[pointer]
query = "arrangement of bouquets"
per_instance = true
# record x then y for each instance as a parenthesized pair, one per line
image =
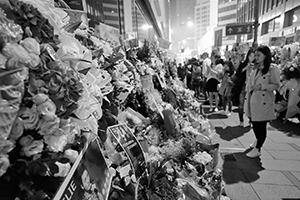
(86, 77)
(42, 138)
(290, 76)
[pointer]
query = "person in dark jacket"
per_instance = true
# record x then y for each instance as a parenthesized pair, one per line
(181, 72)
(239, 80)
(189, 76)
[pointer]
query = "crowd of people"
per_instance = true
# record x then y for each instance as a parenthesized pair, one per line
(248, 81)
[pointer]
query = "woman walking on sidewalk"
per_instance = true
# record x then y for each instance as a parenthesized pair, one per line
(260, 98)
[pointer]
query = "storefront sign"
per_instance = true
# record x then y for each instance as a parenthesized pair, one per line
(288, 31)
(108, 33)
(277, 41)
(122, 135)
(89, 177)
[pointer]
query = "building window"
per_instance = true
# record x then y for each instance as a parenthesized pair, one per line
(292, 17)
(277, 2)
(277, 23)
(271, 26)
(268, 4)
(227, 8)
(264, 28)
(232, 16)
(112, 10)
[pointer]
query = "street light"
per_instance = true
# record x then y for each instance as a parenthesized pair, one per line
(190, 24)
(146, 27)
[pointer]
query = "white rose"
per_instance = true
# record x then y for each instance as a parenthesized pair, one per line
(56, 143)
(4, 164)
(71, 155)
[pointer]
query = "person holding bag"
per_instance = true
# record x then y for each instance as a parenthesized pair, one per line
(260, 98)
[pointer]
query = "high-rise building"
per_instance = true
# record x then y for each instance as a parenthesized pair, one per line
(132, 16)
(276, 18)
(182, 24)
(206, 16)
(227, 14)
(161, 11)
(95, 10)
(110, 12)
(113, 11)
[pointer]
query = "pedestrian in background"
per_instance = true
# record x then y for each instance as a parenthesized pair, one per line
(260, 97)
(213, 72)
(196, 78)
(226, 86)
(181, 72)
(189, 76)
(205, 65)
(239, 80)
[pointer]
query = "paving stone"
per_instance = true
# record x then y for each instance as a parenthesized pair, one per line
(294, 177)
(281, 165)
(276, 192)
(295, 146)
(242, 162)
(266, 177)
(282, 139)
(234, 176)
(265, 155)
(241, 191)
(231, 150)
(248, 137)
(278, 147)
(285, 155)
(230, 144)
(296, 174)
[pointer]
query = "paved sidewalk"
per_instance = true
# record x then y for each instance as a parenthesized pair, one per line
(273, 176)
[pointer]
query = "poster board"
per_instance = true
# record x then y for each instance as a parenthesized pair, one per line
(108, 33)
(122, 135)
(89, 177)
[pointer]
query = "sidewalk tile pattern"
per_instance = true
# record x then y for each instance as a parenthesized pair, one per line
(275, 175)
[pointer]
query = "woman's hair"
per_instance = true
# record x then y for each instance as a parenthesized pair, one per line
(268, 59)
(246, 61)
(231, 67)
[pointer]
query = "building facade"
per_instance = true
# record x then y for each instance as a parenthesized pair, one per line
(206, 19)
(95, 10)
(277, 18)
(227, 14)
(113, 11)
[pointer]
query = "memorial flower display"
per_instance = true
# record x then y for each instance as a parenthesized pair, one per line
(62, 88)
